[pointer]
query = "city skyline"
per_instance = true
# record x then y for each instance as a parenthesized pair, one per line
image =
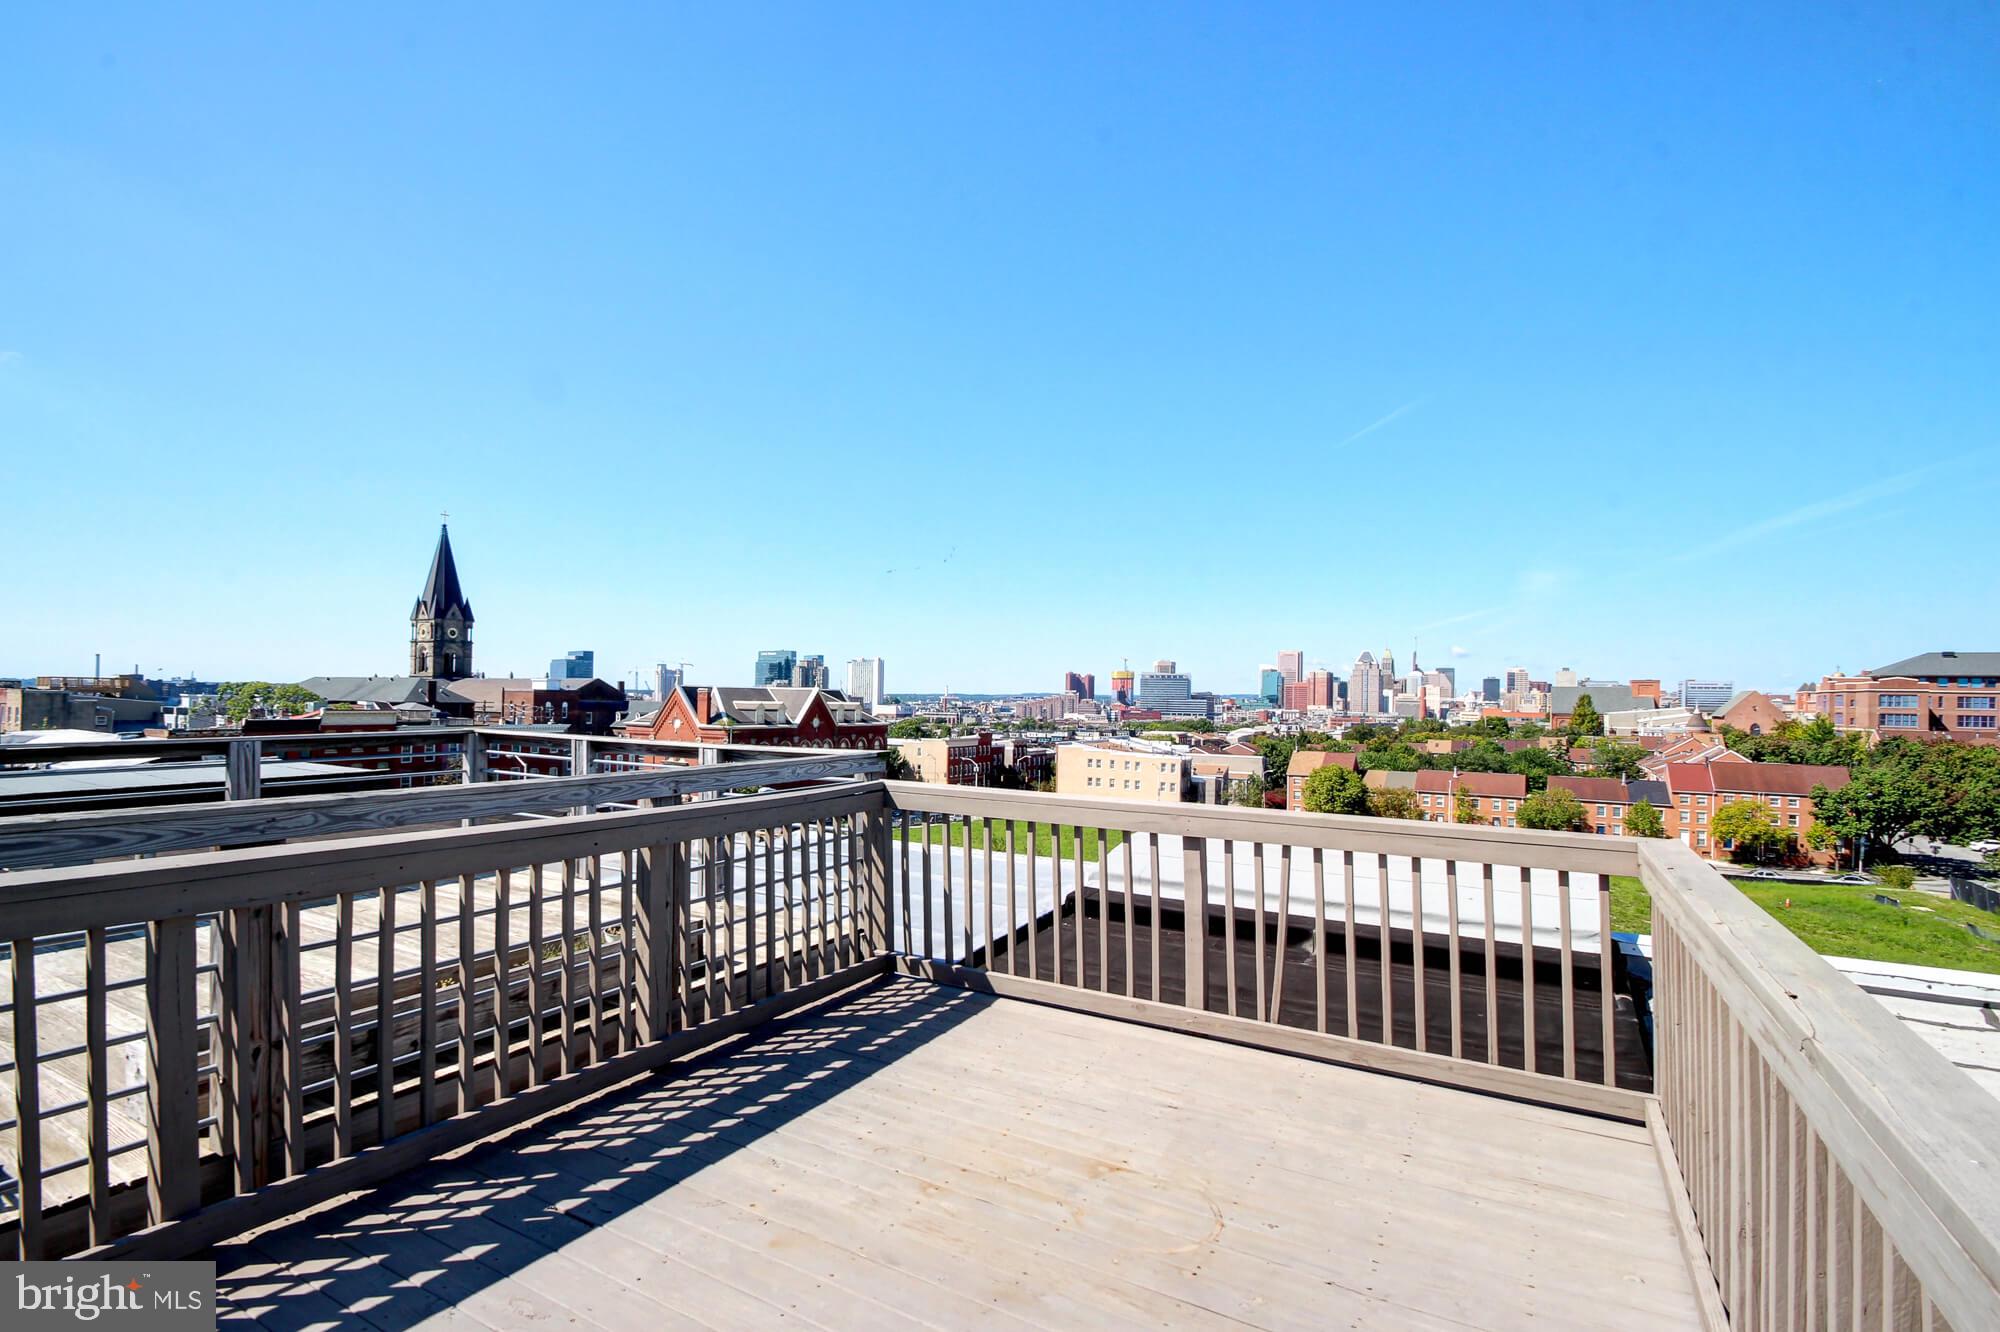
(1647, 415)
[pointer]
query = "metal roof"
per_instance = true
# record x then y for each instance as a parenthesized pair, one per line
(1929, 664)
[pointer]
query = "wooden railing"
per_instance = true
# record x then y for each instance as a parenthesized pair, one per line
(1829, 1169)
(1468, 955)
(1842, 1173)
(311, 1016)
(591, 779)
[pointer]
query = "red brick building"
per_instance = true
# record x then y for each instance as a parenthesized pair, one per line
(1937, 695)
(1496, 796)
(1699, 789)
(743, 715)
(1304, 763)
(1606, 800)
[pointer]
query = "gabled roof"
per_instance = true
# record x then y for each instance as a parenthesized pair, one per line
(1653, 793)
(1690, 777)
(1594, 790)
(1307, 761)
(1787, 779)
(1437, 780)
(391, 689)
(442, 594)
(1928, 665)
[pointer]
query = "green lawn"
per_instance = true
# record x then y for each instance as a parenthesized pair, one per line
(1042, 838)
(1847, 921)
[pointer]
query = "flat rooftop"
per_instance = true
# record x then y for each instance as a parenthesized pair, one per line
(910, 1155)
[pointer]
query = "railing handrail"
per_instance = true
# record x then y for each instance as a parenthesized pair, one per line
(48, 901)
(217, 746)
(1585, 853)
(47, 840)
(1918, 1138)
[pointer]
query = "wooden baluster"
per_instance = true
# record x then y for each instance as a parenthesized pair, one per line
(988, 919)
(1229, 923)
(651, 946)
(1319, 940)
(967, 824)
(1013, 946)
(774, 888)
(1353, 979)
(1607, 958)
(1125, 847)
(1284, 923)
(1492, 970)
(1103, 911)
(1194, 914)
(1568, 967)
(593, 880)
(1457, 991)
(1082, 949)
(468, 1090)
(343, 1027)
(930, 933)
(944, 942)
(1034, 901)
(97, 1078)
(1056, 916)
(1153, 858)
(385, 1014)
(1387, 945)
(682, 888)
(1419, 998)
(503, 981)
(538, 997)
(29, 1242)
(1529, 1055)
(427, 1015)
(1257, 930)
(288, 1027)
(627, 1031)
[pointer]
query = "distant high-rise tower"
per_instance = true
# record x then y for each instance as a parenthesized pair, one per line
(1271, 684)
(1292, 665)
(580, 664)
(1122, 690)
(441, 622)
(809, 672)
(1081, 683)
(665, 679)
(1364, 687)
(774, 667)
(1489, 689)
(864, 681)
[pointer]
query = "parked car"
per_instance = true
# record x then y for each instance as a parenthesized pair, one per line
(1761, 874)
(1985, 846)
(1861, 879)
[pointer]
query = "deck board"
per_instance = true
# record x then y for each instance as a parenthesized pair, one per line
(923, 1157)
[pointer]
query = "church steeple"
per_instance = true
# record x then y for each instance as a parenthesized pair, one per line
(441, 621)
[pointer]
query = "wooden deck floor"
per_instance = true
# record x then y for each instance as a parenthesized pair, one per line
(924, 1157)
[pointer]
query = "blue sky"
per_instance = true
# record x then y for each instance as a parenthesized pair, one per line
(1000, 342)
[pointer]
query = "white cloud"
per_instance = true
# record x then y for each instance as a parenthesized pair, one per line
(8, 355)
(1817, 511)
(1458, 651)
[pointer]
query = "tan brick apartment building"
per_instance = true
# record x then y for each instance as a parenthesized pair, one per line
(1121, 771)
(1496, 796)
(1936, 695)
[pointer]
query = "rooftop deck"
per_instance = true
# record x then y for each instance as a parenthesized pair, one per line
(909, 1155)
(547, 1061)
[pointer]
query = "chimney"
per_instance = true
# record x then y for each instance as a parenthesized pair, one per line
(701, 704)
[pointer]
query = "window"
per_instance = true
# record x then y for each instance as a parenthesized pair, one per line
(1792, 820)
(1701, 839)
(1906, 720)
(1895, 700)
(1701, 800)
(1976, 723)
(1791, 802)
(1600, 814)
(1983, 702)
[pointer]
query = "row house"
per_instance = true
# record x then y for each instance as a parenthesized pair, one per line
(1495, 796)
(1699, 789)
(1606, 800)
(739, 715)
(1304, 763)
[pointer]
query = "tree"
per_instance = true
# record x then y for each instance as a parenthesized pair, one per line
(1249, 792)
(1390, 756)
(239, 698)
(1552, 811)
(1497, 728)
(1334, 790)
(895, 767)
(910, 728)
(1584, 719)
(1394, 802)
(1642, 820)
(1888, 798)
(1465, 807)
(1614, 758)
(1482, 755)
(1749, 829)
(1538, 765)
